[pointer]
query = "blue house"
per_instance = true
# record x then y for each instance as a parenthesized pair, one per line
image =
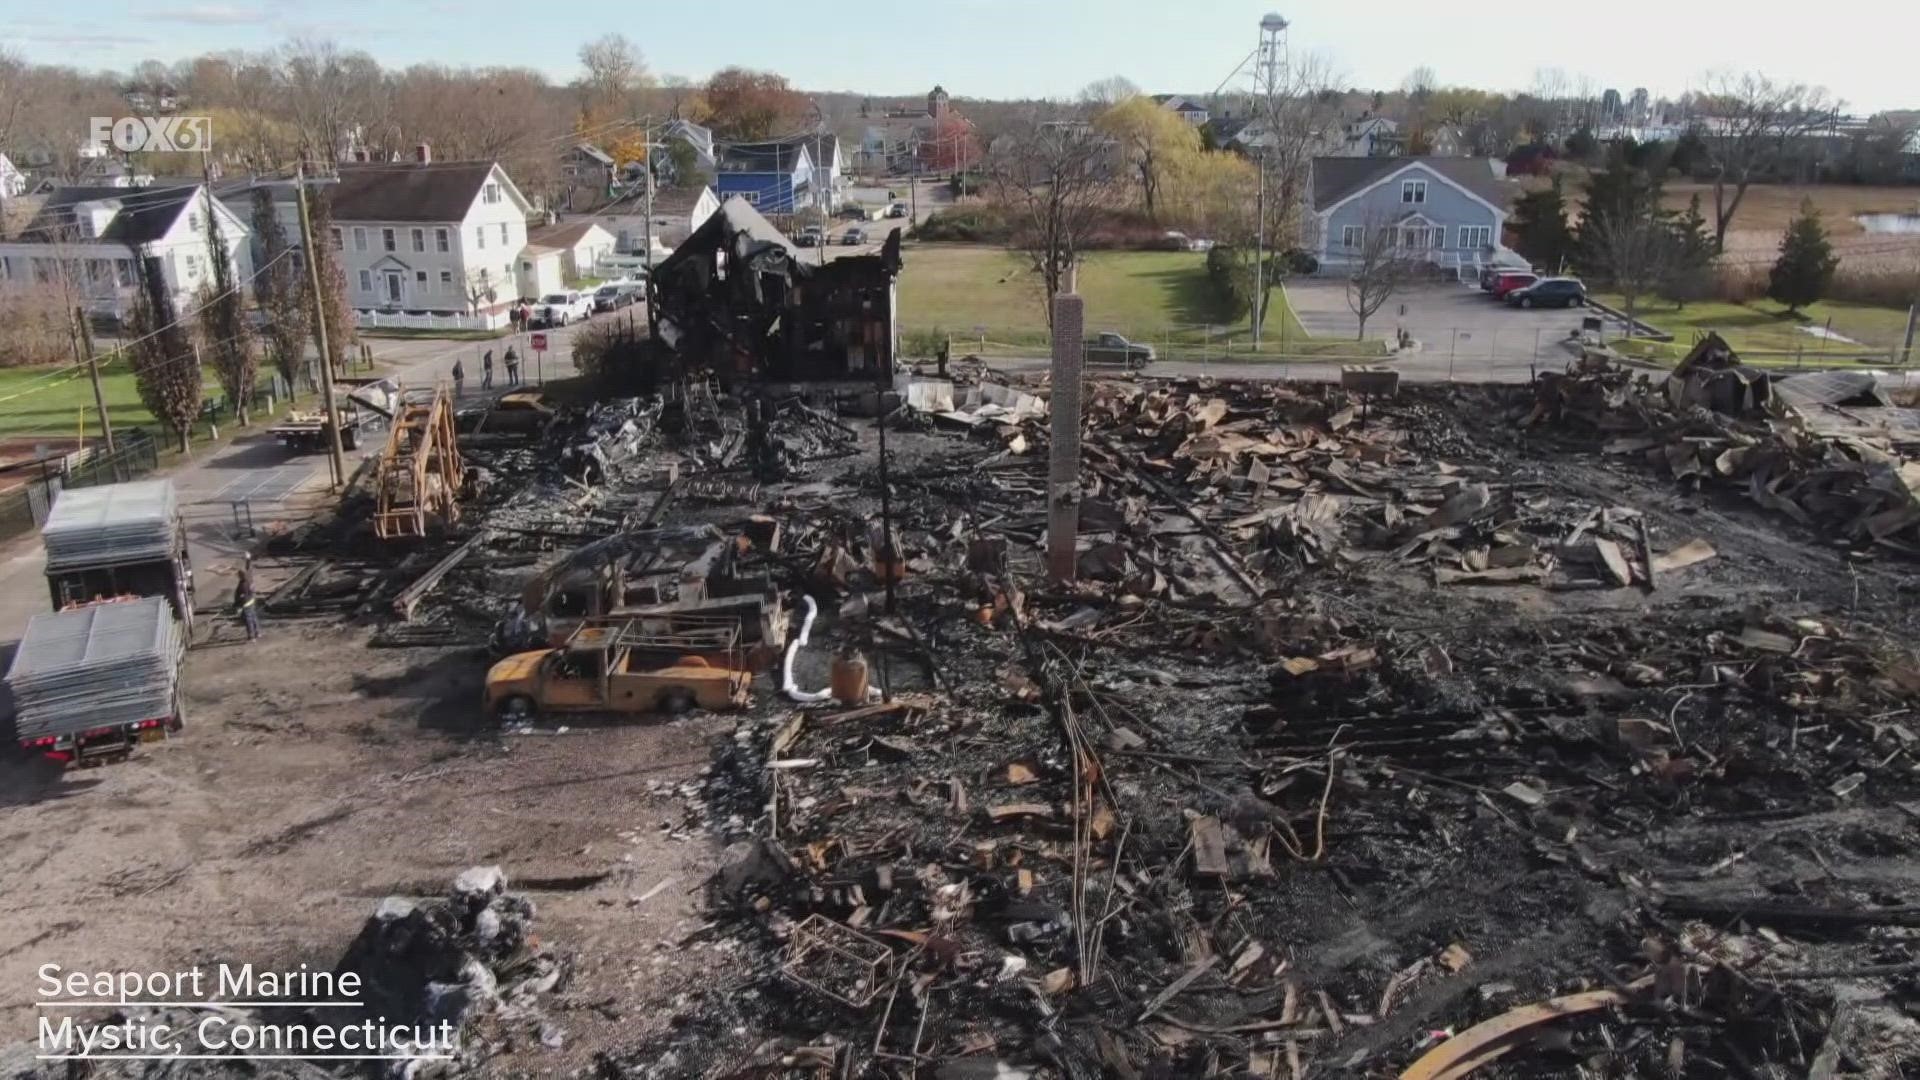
(773, 177)
(1445, 211)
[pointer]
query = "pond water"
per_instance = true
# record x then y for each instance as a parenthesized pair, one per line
(1889, 223)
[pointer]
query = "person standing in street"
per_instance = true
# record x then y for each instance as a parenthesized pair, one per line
(513, 367)
(245, 602)
(459, 379)
(486, 370)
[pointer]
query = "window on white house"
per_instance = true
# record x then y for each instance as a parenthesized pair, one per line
(359, 238)
(366, 281)
(419, 239)
(336, 238)
(1413, 191)
(440, 239)
(193, 220)
(526, 266)
(123, 271)
(479, 236)
(503, 232)
(1352, 236)
(386, 240)
(492, 194)
(1476, 236)
(193, 266)
(420, 278)
(446, 279)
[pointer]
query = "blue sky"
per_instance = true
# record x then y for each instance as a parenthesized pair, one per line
(1002, 48)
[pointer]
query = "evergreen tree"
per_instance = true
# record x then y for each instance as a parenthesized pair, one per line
(1690, 272)
(1806, 264)
(277, 285)
(166, 370)
(1540, 227)
(227, 338)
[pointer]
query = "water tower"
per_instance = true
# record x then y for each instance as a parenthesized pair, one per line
(1270, 72)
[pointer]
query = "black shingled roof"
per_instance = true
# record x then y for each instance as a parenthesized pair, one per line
(386, 192)
(1335, 178)
(145, 215)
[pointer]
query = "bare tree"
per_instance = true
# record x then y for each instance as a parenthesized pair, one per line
(1103, 94)
(1296, 121)
(1057, 175)
(332, 97)
(1749, 121)
(1635, 252)
(1377, 269)
(615, 69)
(13, 79)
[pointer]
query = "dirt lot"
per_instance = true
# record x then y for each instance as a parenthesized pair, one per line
(316, 776)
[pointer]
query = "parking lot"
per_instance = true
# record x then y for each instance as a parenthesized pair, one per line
(1458, 326)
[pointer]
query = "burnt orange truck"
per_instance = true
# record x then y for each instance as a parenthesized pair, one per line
(623, 668)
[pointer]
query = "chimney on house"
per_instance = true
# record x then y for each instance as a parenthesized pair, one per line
(423, 153)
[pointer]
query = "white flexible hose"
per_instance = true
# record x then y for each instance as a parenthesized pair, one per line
(787, 685)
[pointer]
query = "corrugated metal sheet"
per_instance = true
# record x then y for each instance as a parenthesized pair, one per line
(94, 667)
(110, 524)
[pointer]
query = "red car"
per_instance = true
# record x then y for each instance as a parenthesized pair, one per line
(1507, 281)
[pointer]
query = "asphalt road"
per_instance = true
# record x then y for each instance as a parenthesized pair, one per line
(1459, 328)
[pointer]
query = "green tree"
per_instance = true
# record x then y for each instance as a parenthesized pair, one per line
(277, 285)
(1689, 274)
(1806, 264)
(224, 331)
(1540, 228)
(166, 369)
(1230, 278)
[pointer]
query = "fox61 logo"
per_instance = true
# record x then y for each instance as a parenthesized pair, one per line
(152, 134)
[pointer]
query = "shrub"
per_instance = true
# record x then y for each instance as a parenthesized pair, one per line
(34, 328)
(986, 223)
(1230, 280)
(923, 343)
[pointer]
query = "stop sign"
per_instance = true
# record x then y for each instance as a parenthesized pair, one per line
(540, 342)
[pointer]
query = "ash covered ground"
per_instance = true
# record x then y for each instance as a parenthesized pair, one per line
(1361, 725)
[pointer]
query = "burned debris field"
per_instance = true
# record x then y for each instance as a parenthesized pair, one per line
(1558, 730)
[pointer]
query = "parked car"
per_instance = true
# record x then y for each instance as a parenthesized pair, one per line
(1507, 281)
(1550, 292)
(614, 296)
(1110, 348)
(811, 236)
(897, 210)
(855, 235)
(561, 308)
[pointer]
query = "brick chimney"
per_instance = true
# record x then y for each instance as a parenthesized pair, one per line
(423, 153)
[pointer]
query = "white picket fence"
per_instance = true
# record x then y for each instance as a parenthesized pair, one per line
(405, 320)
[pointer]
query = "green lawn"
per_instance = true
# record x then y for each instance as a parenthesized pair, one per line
(1763, 332)
(1159, 298)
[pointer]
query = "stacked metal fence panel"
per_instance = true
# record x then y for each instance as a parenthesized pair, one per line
(101, 666)
(113, 524)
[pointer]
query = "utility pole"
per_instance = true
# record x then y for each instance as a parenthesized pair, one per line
(913, 181)
(83, 338)
(336, 461)
(1913, 316)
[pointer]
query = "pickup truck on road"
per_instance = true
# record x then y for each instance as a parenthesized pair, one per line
(1114, 349)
